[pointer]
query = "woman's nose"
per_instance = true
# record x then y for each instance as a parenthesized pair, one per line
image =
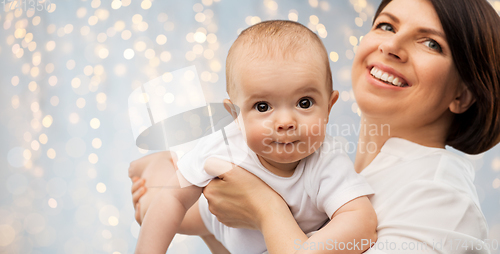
(394, 48)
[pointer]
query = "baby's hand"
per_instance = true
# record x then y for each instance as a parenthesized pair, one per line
(217, 167)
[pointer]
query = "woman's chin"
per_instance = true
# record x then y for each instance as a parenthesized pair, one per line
(376, 108)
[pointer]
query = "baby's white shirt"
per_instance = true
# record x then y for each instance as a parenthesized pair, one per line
(320, 184)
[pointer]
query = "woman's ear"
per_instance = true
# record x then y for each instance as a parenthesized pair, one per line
(463, 100)
(231, 108)
(333, 98)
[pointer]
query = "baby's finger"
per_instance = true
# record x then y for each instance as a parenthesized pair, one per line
(174, 159)
(138, 194)
(137, 184)
(138, 213)
(217, 167)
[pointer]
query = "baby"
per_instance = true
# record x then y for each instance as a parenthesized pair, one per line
(278, 76)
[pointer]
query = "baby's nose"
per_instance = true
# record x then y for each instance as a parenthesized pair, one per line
(289, 126)
(286, 123)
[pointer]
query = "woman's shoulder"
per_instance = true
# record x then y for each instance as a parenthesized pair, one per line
(457, 172)
(439, 186)
(418, 187)
(446, 170)
(408, 163)
(443, 166)
(451, 163)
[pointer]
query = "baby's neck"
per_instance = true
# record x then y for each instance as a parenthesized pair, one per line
(279, 169)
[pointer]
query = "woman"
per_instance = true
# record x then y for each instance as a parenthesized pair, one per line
(431, 70)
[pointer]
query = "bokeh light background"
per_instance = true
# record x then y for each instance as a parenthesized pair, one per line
(65, 76)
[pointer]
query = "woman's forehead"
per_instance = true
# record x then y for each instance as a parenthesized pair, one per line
(419, 13)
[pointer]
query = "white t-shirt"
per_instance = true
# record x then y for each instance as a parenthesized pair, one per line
(424, 196)
(321, 184)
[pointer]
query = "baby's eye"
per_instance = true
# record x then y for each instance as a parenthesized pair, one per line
(262, 106)
(386, 27)
(305, 103)
(432, 44)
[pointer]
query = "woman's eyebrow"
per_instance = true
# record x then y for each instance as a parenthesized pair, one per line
(432, 31)
(394, 18)
(421, 30)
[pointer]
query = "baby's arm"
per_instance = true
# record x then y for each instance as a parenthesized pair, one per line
(355, 222)
(164, 217)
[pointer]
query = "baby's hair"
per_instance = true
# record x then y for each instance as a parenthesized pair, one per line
(274, 39)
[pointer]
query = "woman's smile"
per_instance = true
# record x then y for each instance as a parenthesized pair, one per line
(388, 77)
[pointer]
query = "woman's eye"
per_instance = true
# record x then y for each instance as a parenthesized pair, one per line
(386, 27)
(305, 103)
(432, 44)
(262, 107)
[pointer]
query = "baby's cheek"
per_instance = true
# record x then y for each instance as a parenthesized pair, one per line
(314, 129)
(256, 139)
(316, 135)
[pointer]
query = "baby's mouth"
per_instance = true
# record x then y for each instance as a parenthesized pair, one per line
(285, 143)
(388, 78)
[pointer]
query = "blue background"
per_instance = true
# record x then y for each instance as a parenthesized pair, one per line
(65, 78)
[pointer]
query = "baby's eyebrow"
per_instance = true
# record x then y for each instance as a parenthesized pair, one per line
(306, 89)
(259, 96)
(309, 89)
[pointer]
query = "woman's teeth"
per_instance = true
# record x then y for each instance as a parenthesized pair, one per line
(386, 77)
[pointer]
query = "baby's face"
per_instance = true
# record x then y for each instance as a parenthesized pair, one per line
(284, 107)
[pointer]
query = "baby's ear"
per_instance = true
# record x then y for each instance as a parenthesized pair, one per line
(231, 108)
(333, 98)
(463, 100)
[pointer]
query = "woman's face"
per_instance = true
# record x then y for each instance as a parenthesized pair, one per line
(403, 73)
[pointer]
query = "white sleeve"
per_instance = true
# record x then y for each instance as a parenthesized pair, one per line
(333, 181)
(191, 165)
(430, 217)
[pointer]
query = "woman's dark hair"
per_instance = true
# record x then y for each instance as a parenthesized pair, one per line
(472, 29)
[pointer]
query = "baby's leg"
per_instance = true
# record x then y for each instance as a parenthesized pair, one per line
(192, 224)
(158, 170)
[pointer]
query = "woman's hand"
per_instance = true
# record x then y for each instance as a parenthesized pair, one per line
(240, 199)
